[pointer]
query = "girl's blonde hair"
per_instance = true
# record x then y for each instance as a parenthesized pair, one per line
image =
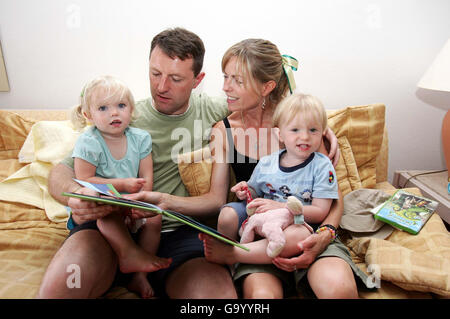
(310, 108)
(112, 89)
(259, 60)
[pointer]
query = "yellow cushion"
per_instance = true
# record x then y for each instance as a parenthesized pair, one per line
(346, 170)
(13, 132)
(195, 171)
(363, 126)
(413, 262)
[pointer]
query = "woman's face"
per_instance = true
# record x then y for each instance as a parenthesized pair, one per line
(239, 92)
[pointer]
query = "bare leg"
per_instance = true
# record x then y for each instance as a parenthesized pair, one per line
(200, 279)
(149, 241)
(96, 261)
(132, 258)
(221, 253)
(228, 222)
(332, 277)
(262, 286)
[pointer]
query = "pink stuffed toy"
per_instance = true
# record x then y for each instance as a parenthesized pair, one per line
(271, 224)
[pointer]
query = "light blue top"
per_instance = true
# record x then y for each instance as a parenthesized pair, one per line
(314, 178)
(92, 148)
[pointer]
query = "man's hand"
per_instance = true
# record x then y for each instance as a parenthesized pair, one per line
(310, 248)
(83, 211)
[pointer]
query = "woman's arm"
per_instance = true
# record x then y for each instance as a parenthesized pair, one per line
(330, 146)
(315, 244)
(318, 210)
(195, 206)
(206, 204)
(336, 211)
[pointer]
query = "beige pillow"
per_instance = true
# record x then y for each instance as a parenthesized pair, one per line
(413, 262)
(346, 170)
(195, 171)
(363, 126)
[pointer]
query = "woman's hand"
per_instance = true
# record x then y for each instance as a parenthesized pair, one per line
(334, 152)
(83, 211)
(155, 198)
(310, 248)
(262, 205)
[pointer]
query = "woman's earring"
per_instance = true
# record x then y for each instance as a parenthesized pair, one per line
(263, 104)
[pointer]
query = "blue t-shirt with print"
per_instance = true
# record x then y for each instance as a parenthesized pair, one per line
(314, 178)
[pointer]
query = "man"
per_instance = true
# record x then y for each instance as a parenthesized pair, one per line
(176, 59)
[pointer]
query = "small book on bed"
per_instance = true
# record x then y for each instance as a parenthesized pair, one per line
(109, 195)
(406, 211)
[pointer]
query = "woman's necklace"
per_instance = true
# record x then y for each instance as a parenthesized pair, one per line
(256, 145)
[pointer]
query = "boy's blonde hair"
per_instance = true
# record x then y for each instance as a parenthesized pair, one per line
(112, 89)
(259, 60)
(310, 108)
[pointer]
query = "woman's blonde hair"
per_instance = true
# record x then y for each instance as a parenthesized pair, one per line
(310, 108)
(112, 89)
(259, 60)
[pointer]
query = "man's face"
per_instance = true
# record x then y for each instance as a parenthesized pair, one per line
(171, 82)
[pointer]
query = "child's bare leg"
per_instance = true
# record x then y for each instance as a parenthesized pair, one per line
(222, 253)
(149, 240)
(228, 222)
(132, 258)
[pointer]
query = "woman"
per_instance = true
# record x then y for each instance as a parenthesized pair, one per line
(256, 78)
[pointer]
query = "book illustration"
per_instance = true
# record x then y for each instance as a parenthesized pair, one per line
(108, 198)
(406, 211)
(105, 189)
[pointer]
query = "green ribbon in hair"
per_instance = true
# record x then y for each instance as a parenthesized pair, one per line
(290, 64)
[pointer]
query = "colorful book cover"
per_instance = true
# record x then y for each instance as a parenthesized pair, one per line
(406, 211)
(112, 197)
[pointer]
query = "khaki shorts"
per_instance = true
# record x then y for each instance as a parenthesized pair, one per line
(292, 281)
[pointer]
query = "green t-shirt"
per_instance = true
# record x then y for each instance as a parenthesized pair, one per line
(173, 135)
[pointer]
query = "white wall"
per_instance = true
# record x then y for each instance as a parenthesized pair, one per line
(351, 52)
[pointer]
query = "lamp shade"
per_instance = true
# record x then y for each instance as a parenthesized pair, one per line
(437, 77)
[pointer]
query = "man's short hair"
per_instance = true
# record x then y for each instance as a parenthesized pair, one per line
(181, 43)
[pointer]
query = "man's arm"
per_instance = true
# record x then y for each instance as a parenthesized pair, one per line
(61, 180)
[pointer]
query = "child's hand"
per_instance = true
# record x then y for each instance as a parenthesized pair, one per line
(241, 190)
(133, 185)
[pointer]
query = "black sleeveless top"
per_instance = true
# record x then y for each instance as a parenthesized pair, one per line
(242, 165)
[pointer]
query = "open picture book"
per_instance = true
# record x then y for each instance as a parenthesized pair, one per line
(109, 195)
